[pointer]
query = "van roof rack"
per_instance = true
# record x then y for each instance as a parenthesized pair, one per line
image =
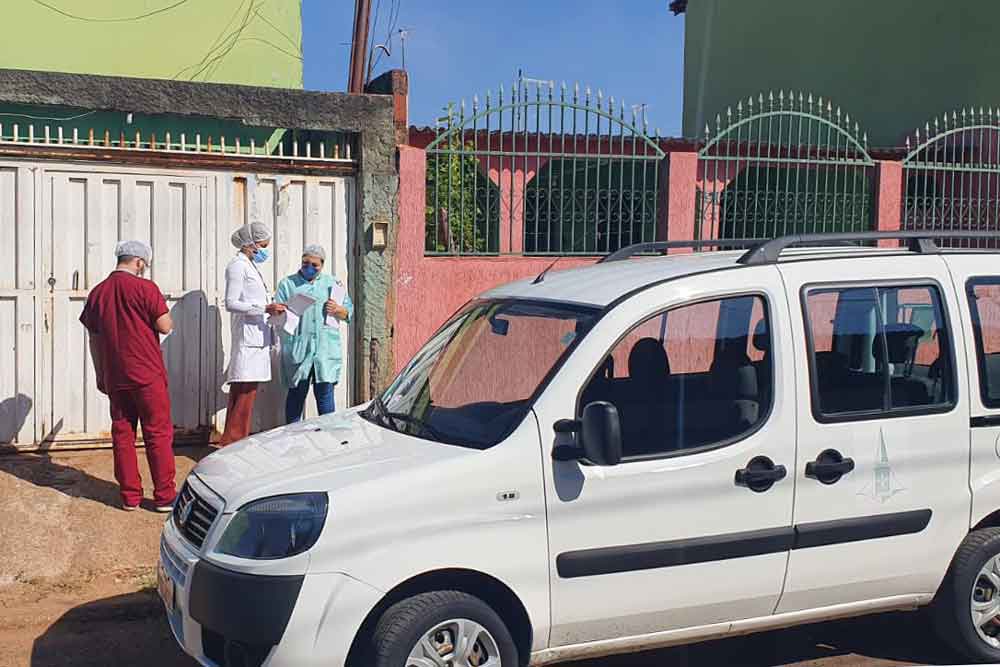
(922, 241)
(660, 246)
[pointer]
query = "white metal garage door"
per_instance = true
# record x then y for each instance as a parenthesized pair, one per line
(63, 221)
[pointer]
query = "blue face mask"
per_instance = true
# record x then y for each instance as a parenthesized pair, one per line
(261, 255)
(308, 271)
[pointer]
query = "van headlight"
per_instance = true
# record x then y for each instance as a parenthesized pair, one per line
(276, 527)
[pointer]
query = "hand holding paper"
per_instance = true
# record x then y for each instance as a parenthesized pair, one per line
(297, 305)
(337, 294)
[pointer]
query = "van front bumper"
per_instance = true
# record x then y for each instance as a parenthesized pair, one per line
(224, 618)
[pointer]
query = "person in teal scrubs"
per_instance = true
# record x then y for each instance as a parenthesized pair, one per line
(312, 355)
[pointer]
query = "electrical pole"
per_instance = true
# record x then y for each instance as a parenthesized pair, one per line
(359, 42)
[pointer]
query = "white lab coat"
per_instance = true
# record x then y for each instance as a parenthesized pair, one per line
(246, 298)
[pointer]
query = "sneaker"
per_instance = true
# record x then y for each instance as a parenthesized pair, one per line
(164, 509)
(129, 508)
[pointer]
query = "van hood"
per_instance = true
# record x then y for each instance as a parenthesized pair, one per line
(321, 454)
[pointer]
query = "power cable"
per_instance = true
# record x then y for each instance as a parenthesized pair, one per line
(276, 28)
(125, 19)
(24, 115)
(216, 43)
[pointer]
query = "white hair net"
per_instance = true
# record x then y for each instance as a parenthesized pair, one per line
(249, 234)
(314, 250)
(138, 249)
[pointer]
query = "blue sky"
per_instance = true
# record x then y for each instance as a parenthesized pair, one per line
(632, 49)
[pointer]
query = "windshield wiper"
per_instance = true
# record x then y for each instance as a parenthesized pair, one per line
(424, 427)
(377, 411)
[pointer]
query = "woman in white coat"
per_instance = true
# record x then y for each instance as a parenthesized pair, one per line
(248, 303)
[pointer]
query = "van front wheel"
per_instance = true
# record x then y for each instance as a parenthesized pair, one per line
(442, 629)
(968, 605)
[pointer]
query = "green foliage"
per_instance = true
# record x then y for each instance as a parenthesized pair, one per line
(462, 211)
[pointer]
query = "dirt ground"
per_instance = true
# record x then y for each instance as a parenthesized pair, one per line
(77, 587)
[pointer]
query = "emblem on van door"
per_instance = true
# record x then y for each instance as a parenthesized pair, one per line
(884, 483)
(506, 496)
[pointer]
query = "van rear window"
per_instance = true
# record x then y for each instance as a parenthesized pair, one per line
(984, 303)
(878, 351)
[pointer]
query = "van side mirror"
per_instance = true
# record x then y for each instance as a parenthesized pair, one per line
(499, 326)
(598, 436)
(601, 433)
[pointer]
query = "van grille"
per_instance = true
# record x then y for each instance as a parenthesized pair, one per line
(193, 516)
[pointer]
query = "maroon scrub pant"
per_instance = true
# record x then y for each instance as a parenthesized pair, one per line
(149, 406)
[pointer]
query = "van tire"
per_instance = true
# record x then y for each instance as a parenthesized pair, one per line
(951, 607)
(405, 623)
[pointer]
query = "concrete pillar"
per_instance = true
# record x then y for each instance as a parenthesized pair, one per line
(889, 199)
(681, 186)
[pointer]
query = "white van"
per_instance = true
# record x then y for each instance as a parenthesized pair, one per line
(644, 452)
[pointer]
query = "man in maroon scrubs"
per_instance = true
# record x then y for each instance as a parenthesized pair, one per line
(124, 315)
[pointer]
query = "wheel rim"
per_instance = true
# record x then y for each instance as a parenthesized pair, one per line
(455, 643)
(985, 603)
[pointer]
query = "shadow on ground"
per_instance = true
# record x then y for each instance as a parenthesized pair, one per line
(132, 630)
(121, 630)
(58, 472)
(888, 639)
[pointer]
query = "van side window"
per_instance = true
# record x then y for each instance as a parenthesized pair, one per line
(878, 350)
(691, 378)
(984, 303)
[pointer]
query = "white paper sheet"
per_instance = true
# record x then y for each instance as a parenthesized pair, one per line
(299, 303)
(338, 292)
(289, 320)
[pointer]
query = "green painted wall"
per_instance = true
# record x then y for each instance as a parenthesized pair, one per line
(891, 64)
(252, 42)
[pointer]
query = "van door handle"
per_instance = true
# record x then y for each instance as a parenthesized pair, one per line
(829, 467)
(760, 474)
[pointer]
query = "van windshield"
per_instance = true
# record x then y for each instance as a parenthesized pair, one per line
(474, 380)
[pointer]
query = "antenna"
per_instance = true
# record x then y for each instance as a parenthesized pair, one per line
(403, 34)
(541, 276)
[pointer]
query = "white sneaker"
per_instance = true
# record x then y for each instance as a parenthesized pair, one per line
(129, 508)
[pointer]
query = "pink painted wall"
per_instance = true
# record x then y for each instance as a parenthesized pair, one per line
(430, 289)
(889, 189)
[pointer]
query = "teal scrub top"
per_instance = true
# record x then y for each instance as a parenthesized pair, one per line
(314, 346)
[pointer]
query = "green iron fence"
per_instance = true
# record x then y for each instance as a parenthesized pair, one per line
(542, 171)
(783, 164)
(952, 175)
